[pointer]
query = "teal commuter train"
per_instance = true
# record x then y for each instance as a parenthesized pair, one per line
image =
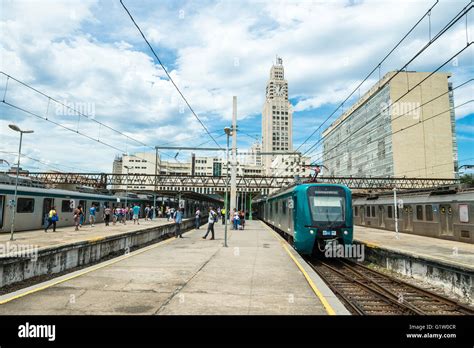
(310, 215)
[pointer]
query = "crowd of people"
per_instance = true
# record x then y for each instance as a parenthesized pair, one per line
(133, 213)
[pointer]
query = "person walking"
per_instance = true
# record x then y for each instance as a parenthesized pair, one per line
(197, 218)
(210, 223)
(77, 218)
(92, 211)
(136, 212)
(178, 218)
(52, 219)
(107, 213)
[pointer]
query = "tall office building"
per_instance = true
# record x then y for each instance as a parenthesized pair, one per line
(392, 132)
(277, 116)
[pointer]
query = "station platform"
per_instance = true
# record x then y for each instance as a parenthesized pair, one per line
(258, 273)
(442, 263)
(441, 251)
(67, 235)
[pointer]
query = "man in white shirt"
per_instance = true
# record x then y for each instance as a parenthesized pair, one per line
(210, 226)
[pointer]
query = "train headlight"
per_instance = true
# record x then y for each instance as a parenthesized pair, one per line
(346, 232)
(311, 231)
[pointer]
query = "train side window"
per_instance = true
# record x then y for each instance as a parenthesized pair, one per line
(463, 213)
(390, 212)
(419, 212)
(373, 211)
(25, 205)
(283, 207)
(66, 206)
(429, 212)
(97, 206)
(367, 211)
(356, 211)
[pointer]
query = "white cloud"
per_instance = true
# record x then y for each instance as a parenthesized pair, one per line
(89, 52)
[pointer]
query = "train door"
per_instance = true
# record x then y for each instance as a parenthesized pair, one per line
(293, 214)
(291, 206)
(47, 205)
(2, 205)
(407, 218)
(381, 216)
(446, 219)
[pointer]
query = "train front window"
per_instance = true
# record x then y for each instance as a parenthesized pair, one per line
(327, 205)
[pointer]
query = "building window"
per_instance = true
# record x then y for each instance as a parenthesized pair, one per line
(25, 205)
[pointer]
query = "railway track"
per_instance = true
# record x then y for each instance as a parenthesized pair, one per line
(368, 292)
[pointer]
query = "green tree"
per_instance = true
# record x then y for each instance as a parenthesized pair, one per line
(467, 179)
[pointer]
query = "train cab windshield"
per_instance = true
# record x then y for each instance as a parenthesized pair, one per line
(327, 205)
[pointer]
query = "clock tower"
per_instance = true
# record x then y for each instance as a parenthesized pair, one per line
(277, 116)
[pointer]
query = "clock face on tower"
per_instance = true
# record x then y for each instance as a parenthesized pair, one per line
(279, 90)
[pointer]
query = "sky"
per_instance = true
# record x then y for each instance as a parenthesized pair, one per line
(89, 56)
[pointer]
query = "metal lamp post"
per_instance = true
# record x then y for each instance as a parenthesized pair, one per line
(16, 129)
(228, 132)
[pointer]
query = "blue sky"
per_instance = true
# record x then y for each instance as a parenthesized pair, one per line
(89, 55)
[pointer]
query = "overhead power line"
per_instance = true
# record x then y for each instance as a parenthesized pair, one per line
(167, 74)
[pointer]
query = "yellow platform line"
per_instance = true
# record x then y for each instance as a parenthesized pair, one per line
(91, 269)
(313, 286)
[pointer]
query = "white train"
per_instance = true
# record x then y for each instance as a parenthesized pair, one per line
(34, 203)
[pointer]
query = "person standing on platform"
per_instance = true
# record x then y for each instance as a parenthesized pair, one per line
(77, 218)
(136, 212)
(92, 211)
(235, 220)
(242, 219)
(223, 212)
(107, 212)
(178, 219)
(197, 218)
(210, 223)
(52, 218)
(81, 215)
(147, 210)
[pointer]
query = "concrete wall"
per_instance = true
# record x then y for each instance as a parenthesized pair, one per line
(53, 260)
(424, 148)
(453, 279)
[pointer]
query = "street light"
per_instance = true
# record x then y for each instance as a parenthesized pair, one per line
(16, 129)
(228, 132)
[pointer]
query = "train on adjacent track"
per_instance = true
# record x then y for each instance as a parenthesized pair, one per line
(446, 214)
(35, 201)
(310, 215)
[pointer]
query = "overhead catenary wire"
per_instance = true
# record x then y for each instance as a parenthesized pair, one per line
(167, 74)
(454, 20)
(407, 113)
(377, 66)
(403, 95)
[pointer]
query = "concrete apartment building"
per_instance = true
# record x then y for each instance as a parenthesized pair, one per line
(412, 137)
(277, 116)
